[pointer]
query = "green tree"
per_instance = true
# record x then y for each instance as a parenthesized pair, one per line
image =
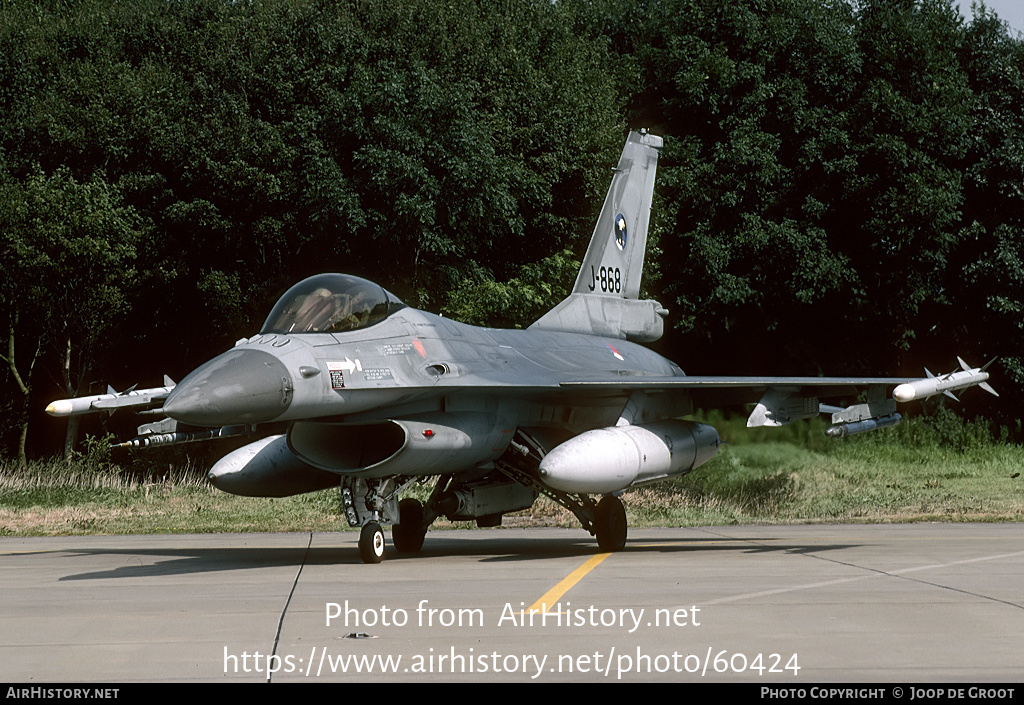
(515, 303)
(752, 97)
(68, 251)
(988, 272)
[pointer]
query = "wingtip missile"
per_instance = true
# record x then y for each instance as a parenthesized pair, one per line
(110, 401)
(967, 376)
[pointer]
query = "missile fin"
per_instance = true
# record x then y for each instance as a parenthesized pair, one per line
(988, 388)
(950, 395)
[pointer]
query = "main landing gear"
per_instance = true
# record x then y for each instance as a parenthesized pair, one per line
(408, 533)
(610, 524)
(606, 519)
(369, 503)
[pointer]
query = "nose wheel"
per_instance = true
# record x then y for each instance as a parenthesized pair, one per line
(371, 543)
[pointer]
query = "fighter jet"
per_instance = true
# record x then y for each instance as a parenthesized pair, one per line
(346, 386)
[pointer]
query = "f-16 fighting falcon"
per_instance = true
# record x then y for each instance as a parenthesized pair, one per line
(347, 386)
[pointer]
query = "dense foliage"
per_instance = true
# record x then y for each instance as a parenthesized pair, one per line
(842, 187)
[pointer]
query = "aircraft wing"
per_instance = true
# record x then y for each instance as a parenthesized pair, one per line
(712, 387)
(715, 390)
(780, 400)
(696, 382)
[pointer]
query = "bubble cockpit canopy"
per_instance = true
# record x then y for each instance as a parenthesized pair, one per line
(330, 303)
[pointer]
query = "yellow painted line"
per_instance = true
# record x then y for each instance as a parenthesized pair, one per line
(552, 595)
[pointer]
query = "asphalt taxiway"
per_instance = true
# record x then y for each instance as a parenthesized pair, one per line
(777, 605)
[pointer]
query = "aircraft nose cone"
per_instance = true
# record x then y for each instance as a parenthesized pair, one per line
(239, 387)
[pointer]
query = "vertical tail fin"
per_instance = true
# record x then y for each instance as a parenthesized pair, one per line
(604, 300)
(614, 261)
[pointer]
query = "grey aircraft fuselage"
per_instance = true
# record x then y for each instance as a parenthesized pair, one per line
(410, 362)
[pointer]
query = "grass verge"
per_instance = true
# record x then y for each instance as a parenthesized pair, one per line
(911, 473)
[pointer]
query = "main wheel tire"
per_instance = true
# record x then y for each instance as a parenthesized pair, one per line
(371, 543)
(610, 524)
(408, 533)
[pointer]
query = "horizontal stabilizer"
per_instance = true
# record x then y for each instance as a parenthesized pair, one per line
(629, 319)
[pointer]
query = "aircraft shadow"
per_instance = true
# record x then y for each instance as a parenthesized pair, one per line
(497, 549)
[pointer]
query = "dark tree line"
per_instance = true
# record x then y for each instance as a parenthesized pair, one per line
(845, 186)
(841, 190)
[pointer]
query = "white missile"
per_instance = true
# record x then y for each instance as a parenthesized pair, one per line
(945, 384)
(110, 401)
